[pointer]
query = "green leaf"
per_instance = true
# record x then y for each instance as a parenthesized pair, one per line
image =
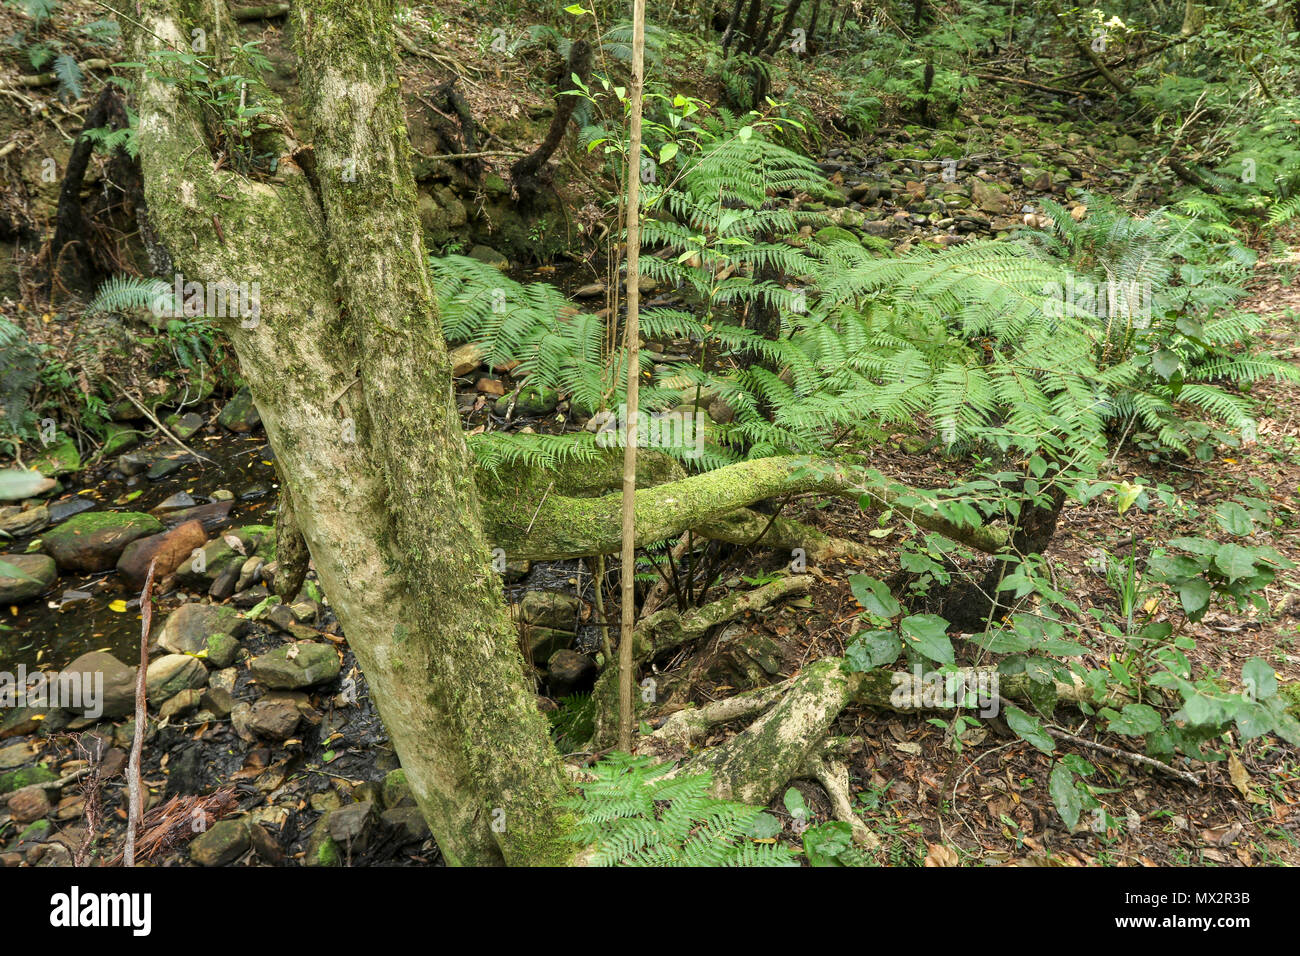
(874, 596)
(873, 649)
(668, 151)
(765, 827)
(1235, 561)
(1066, 796)
(929, 635)
(1135, 720)
(1234, 519)
(1165, 363)
(1195, 597)
(1030, 728)
(1259, 680)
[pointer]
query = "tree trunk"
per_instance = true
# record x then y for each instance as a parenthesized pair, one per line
(349, 371)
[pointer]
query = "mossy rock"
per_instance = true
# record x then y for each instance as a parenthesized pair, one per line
(59, 458)
(829, 235)
(26, 777)
(94, 540)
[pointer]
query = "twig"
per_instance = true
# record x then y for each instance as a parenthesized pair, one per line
(1127, 756)
(135, 785)
(153, 418)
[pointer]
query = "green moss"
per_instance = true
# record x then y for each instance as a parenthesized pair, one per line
(25, 777)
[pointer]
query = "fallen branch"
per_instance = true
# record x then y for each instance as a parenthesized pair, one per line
(49, 79)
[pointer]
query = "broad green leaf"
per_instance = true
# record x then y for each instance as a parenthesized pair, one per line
(1194, 595)
(873, 649)
(1030, 728)
(1235, 562)
(928, 633)
(1135, 720)
(874, 596)
(1069, 803)
(1234, 519)
(1258, 678)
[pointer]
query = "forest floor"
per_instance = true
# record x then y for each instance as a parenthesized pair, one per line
(986, 804)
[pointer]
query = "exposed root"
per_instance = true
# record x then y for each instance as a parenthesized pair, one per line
(833, 775)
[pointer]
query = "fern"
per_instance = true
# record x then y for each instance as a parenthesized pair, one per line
(123, 293)
(635, 816)
(69, 75)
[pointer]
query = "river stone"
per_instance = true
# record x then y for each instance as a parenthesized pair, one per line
(26, 777)
(171, 549)
(321, 848)
(396, 791)
(119, 681)
(182, 702)
(215, 514)
(187, 425)
(296, 665)
(545, 641)
(59, 458)
(991, 199)
(223, 843)
(274, 716)
(15, 755)
(28, 804)
(171, 674)
(240, 414)
(490, 256)
(350, 826)
(95, 540)
(189, 626)
(568, 670)
(222, 649)
(406, 824)
(556, 609)
(25, 576)
(18, 523)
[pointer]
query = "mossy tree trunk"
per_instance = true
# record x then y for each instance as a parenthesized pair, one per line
(349, 370)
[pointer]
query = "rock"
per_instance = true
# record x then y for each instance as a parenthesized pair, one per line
(170, 550)
(132, 464)
(554, 609)
(304, 664)
(490, 386)
(28, 804)
(991, 199)
(321, 848)
(266, 847)
(531, 401)
(490, 256)
(1039, 180)
(218, 701)
(185, 772)
(1127, 144)
(188, 628)
(165, 466)
(274, 716)
(568, 671)
(241, 715)
(396, 792)
(118, 698)
(15, 755)
(186, 425)
(545, 641)
(60, 457)
(465, 358)
(119, 438)
(591, 290)
(19, 523)
(214, 515)
(177, 502)
(350, 826)
(221, 651)
(26, 777)
(720, 411)
(25, 576)
(240, 414)
(181, 703)
(223, 843)
(95, 540)
(171, 674)
(406, 824)
(828, 235)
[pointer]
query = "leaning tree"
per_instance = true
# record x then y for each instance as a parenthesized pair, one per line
(347, 365)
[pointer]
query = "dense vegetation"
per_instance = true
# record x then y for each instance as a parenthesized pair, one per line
(957, 303)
